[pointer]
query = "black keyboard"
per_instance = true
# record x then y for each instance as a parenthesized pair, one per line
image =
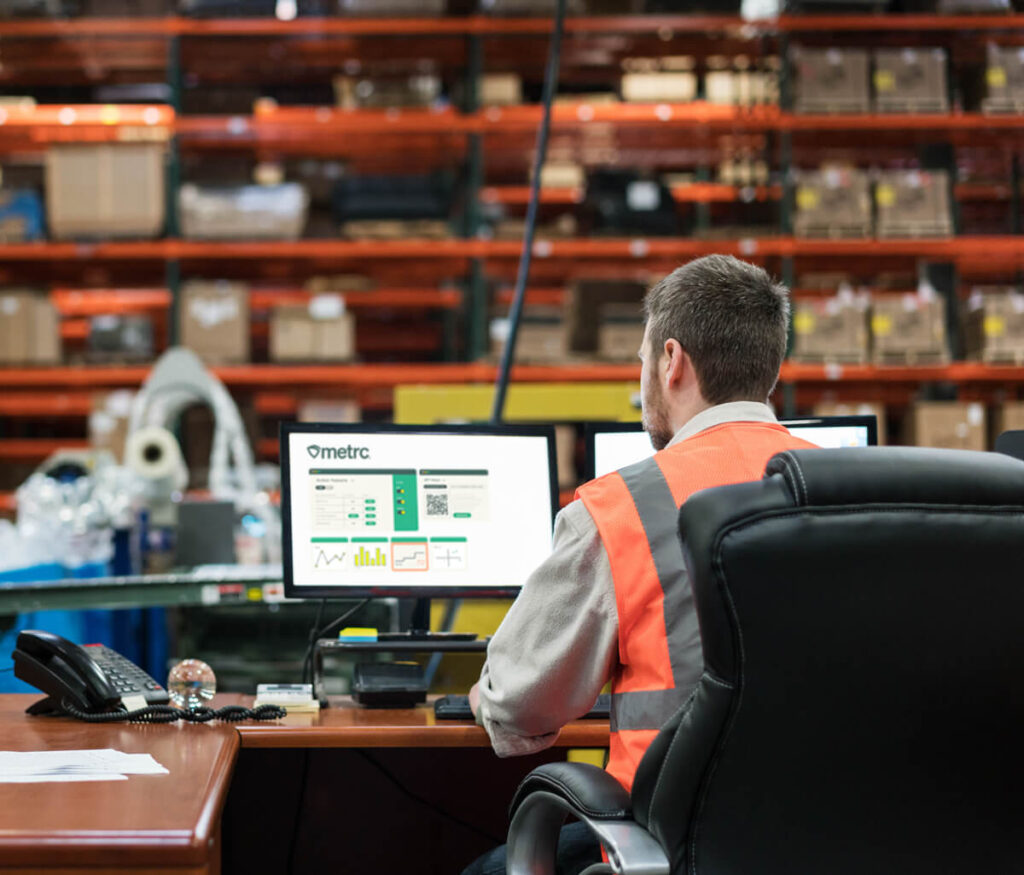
(125, 676)
(457, 708)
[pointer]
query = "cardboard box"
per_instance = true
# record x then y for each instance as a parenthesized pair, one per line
(501, 89)
(913, 203)
(951, 425)
(396, 229)
(244, 212)
(565, 174)
(908, 329)
(214, 320)
(341, 282)
(329, 410)
(356, 92)
(318, 332)
(109, 420)
(542, 336)
(105, 190)
(856, 408)
(831, 330)
(833, 202)
(1004, 79)
(994, 326)
(29, 329)
(831, 80)
(620, 340)
(592, 302)
(911, 80)
(659, 87)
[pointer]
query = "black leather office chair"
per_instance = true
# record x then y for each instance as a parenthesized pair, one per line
(862, 705)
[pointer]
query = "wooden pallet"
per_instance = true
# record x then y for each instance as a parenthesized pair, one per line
(834, 232)
(859, 358)
(911, 107)
(915, 231)
(843, 107)
(1000, 356)
(911, 358)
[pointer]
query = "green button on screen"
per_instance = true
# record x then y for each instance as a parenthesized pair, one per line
(462, 516)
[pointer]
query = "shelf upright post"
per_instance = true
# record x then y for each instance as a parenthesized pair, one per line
(476, 303)
(942, 277)
(172, 268)
(1015, 182)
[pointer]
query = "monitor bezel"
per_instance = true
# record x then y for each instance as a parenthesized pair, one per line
(425, 592)
(592, 429)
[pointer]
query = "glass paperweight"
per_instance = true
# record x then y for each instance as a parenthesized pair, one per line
(191, 684)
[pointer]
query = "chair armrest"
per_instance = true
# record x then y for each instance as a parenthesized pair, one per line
(586, 788)
(553, 791)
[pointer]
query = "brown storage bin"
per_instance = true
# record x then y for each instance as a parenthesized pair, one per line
(105, 190)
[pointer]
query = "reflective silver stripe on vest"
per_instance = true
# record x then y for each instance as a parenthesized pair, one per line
(658, 514)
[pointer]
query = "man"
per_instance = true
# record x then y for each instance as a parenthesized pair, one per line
(613, 602)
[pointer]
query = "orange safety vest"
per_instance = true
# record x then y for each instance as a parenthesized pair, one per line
(636, 511)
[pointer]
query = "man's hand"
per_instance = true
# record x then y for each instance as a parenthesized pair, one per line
(474, 698)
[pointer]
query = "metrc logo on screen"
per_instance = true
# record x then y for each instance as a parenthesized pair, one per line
(348, 452)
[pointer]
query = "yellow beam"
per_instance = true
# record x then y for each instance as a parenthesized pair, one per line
(526, 402)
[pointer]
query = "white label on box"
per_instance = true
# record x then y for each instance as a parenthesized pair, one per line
(914, 179)
(9, 306)
(910, 303)
(833, 177)
(327, 307)
(976, 301)
(834, 56)
(643, 196)
(1017, 302)
(909, 56)
(209, 594)
(210, 312)
(975, 414)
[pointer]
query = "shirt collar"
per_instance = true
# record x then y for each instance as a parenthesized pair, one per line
(732, 411)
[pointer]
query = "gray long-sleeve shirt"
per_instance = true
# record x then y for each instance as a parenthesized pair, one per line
(558, 644)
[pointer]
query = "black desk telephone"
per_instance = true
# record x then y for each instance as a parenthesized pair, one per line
(91, 679)
(98, 684)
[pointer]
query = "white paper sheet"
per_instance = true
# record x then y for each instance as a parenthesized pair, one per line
(75, 765)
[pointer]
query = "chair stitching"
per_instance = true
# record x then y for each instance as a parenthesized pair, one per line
(686, 706)
(718, 682)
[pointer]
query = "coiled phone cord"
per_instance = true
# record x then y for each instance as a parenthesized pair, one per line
(168, 714)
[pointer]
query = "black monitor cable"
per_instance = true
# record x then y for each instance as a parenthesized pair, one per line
(315, 634)
(523, 275)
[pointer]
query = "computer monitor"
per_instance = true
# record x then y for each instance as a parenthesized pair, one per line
(613, 445)
(415, 511)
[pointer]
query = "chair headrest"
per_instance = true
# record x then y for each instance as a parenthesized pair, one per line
(887, 475)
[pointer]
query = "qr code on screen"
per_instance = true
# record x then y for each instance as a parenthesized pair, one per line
(437, 505)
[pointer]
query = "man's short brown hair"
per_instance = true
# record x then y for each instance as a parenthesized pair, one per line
(731, 319)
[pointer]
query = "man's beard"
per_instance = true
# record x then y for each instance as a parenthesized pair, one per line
(655, 418)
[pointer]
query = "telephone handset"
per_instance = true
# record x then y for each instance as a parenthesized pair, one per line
(91, 679)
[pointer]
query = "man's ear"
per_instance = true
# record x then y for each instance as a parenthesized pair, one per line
(676, 363)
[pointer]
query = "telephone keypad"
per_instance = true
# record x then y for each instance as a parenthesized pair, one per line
(126, 677)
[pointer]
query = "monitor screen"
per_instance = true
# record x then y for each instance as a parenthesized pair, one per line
(414, 511)
(614, 445)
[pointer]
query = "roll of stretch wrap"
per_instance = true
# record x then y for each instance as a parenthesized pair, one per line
(153, 453)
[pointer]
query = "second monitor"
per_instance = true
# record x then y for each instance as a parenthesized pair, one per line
(614, 445)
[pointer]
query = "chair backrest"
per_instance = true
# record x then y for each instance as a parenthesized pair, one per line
(862, 708)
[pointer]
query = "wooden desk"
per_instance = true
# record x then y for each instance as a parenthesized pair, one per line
(379, 791)
(348, 790)
(157, 824)
(347, 725)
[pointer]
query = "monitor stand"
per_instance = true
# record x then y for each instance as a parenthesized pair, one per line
(419, 628)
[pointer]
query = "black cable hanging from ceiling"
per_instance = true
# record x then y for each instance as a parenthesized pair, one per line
(523, 275)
